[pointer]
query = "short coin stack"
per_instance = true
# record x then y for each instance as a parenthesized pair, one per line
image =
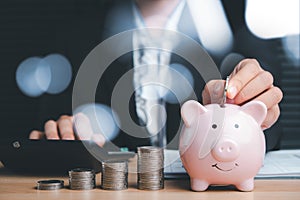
(82, 179)
(114, 175)
(150, 168)
(50, 184)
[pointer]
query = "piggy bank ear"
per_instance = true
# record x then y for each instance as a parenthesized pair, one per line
(190, 110)
(256, 109)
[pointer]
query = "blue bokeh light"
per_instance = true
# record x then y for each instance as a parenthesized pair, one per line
(103, 119)
(26, 77)
(61, 73)
(51, 74)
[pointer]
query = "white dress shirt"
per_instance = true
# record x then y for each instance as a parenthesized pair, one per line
(150, 72)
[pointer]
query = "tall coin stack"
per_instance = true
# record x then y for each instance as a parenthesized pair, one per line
(114, 175)
(82, 179)
(150, 168)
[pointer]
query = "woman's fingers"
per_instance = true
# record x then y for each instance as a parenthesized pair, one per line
(83, 127)
(99, 139)
(36, 135)
(65, 127)
(51, 131)
(69, 128)
(272, 116)
(270, 97)
(244, 72)
(259, 84)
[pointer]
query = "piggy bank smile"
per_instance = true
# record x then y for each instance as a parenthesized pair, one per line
(219, 166)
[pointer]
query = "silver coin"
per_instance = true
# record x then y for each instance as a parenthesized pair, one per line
(225, 92)
(50, 184)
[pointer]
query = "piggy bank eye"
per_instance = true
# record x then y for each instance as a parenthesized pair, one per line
(236, 126)
(214, 126)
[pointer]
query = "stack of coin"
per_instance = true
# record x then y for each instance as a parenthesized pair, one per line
(50, 184)
(150, 168)
(114, 175)
(82, 179)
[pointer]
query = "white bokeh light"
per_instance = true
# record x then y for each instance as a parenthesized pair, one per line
(102, 119)
(212, 25)
(273, 18)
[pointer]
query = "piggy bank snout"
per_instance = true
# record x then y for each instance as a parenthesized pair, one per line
(226, 150)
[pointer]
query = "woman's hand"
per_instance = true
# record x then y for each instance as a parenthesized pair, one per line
(248, 81)
(69, 128)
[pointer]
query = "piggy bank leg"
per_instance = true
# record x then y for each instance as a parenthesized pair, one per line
(198, 185)
(246, 185)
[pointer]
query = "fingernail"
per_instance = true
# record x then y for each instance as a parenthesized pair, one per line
(264, 127)
(232, 91)
(69, 138)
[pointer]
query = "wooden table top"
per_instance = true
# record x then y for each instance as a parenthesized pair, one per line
(19, 186)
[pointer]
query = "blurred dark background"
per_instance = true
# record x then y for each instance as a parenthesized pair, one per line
(73, 28)
(38, 28)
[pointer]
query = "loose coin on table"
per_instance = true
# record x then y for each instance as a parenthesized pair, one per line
(50, 184)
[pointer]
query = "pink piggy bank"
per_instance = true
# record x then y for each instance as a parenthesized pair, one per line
(222, 145)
